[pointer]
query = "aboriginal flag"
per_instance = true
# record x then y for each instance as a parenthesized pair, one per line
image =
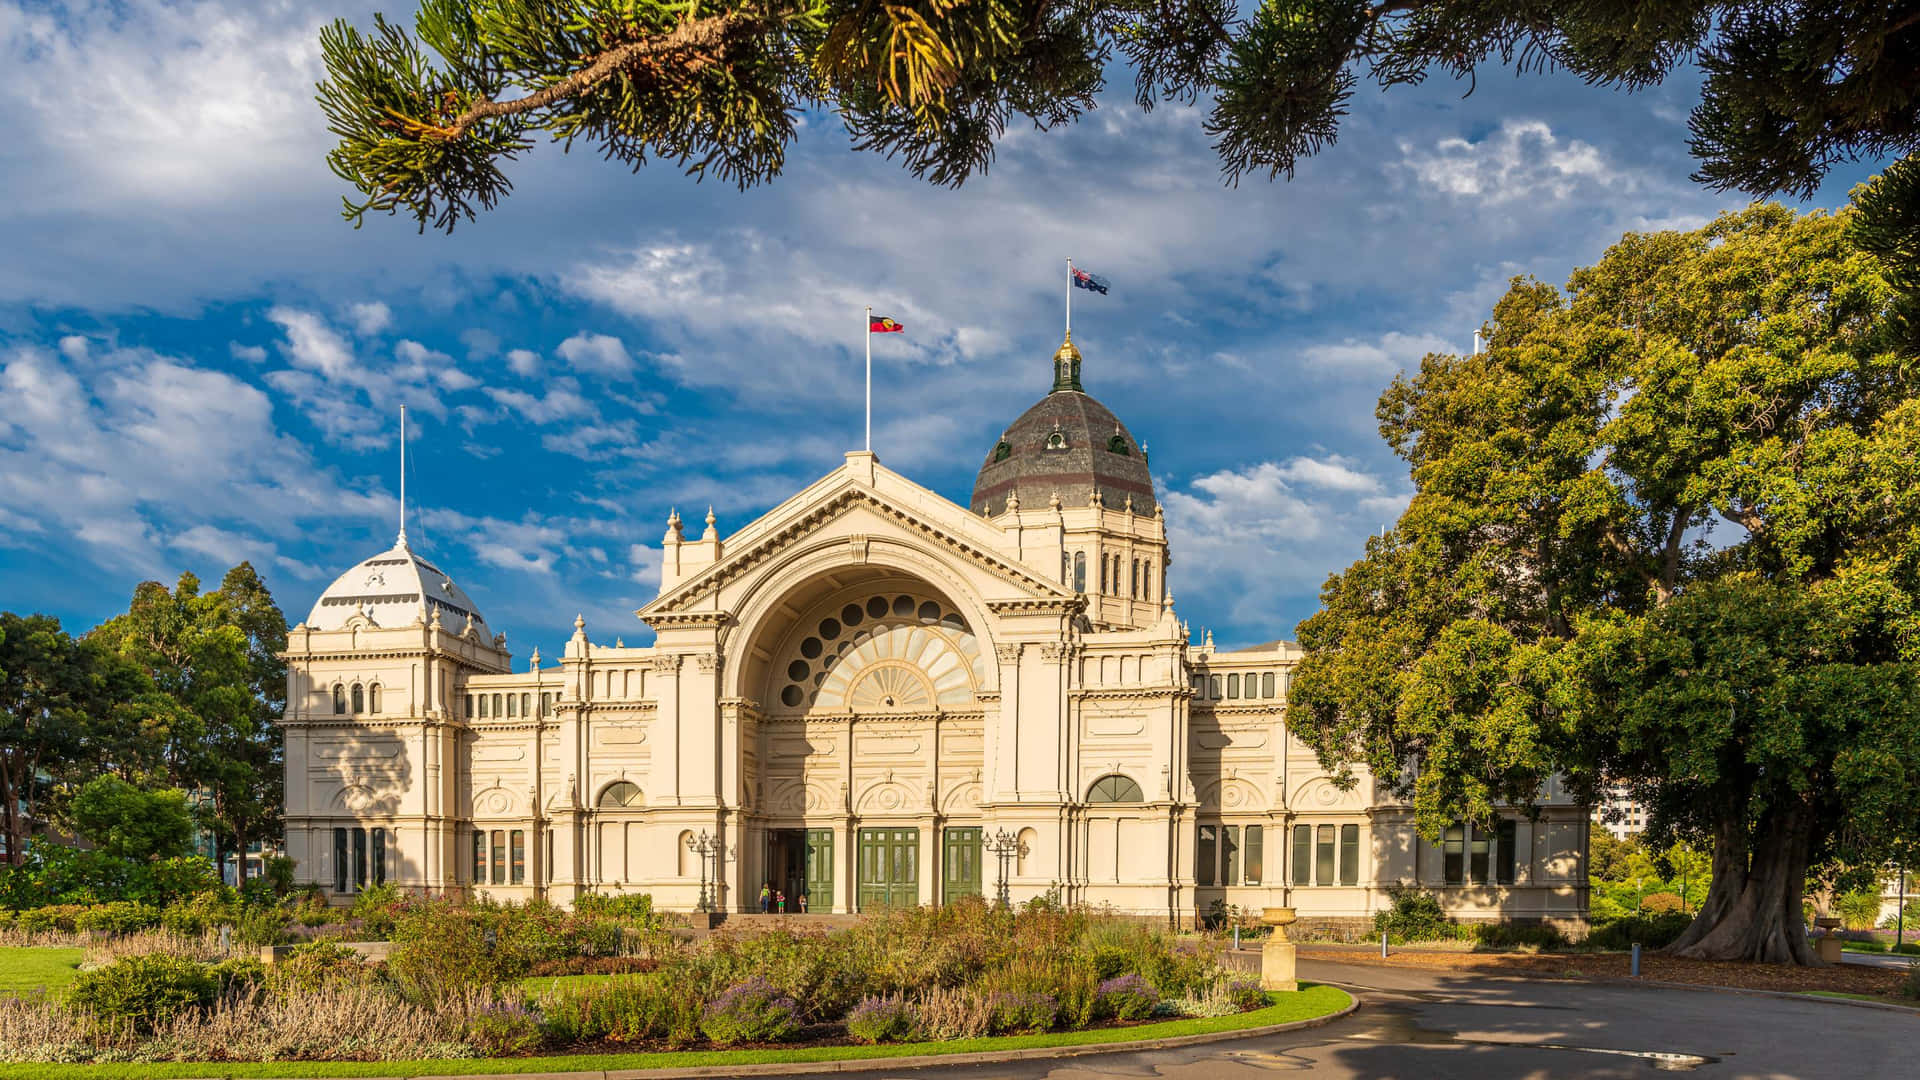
(880, 324)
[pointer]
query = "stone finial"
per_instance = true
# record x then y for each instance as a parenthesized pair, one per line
(1096, 499)
(533, 661)
(1208, 643)
(1159, 511)
(1129, 503)
(435, 624)
(619, 643)
(1053, 501)
(1013, 501)
(674, 532)
(711, 532)
(580, 626)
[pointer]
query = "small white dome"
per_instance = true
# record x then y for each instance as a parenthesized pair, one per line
(393, 589)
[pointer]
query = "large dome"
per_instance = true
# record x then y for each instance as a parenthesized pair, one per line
(393, 589)
(1067, 444)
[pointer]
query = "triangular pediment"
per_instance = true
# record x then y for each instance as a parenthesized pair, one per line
(862, 487)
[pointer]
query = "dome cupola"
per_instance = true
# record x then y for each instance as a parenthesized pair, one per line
(1068, 444)
(392, 589)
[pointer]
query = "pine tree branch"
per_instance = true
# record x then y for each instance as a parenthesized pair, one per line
(706, 37)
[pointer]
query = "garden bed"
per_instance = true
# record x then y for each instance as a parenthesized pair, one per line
(1312, 1002)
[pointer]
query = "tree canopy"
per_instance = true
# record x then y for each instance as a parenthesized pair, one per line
(126, 822)
(426, 117)
(1666, 528)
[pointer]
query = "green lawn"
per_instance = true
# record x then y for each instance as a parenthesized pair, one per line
(1855, 997)
(1312, 1001)
(23, 971)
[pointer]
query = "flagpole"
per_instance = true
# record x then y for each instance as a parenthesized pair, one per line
(869, 378)
(403, 476)
(1069, 296)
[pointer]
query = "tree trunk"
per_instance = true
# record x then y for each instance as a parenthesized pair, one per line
(10, 819)
(240, 860)
(1752, 911)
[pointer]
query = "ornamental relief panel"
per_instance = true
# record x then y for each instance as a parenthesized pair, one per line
(360, 798)
(886, 797)
(1232, 794)
(495, 801)
(1321, 793)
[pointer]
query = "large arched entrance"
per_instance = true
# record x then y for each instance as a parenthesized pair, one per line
(868, 743)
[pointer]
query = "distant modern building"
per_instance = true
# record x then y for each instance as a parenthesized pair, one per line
(1618, 813)
(874, 696)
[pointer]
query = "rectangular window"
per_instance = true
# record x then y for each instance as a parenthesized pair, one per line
(1323, 855)
(1477, 861)
(519, 857)
(1349, 854)
(469, 706)
(1206, 853)
(359, 858)
(1254, 861)
(1454, 848)
(483, 707)
(479, 856)
(1303, 855)
(513, 705)
(1507, 843)
(1213, 687)
(499, 857)
(340, 865)
(526, 704)
(1233, 685)
(497, 713)
(1230, 855)
(379, 856)
(1266, 685)
(1103, 574)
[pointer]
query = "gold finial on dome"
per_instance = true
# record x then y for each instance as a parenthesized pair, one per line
(1066, 365)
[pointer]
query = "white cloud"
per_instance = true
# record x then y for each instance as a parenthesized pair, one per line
(524, 362)
(1371, 359)
(1524, 159)
(562, 401)
(370, 318)
(597, 354)
(354, 403)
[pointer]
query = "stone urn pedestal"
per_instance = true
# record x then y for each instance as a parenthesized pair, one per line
(1827, 945)
(1277, 956)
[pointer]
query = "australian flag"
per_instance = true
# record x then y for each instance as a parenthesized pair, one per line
(1089, 282)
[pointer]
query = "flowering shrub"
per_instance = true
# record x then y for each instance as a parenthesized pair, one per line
(881, 1019)
(1128, 997)
(503, 1029)
(752, 1011)
(1017, 1012)
(1247, 995)
(137, 993)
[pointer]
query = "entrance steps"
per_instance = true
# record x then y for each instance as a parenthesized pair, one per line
(754, 922)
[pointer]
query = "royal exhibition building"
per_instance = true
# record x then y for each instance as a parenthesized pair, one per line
(870, 696)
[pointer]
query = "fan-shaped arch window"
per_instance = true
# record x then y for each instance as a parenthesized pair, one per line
(1002, 450)
(620, 793)
(373, 698)
(1115, 789)
(339, 700)
(359, 699)
(1057, 441)
(1117, 444)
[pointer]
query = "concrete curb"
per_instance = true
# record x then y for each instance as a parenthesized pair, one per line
(922, 1061)
(1792, 995)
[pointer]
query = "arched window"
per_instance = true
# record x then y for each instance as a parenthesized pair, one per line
(526, 704)
(1114, 789)
(513, 705)
(1066, 568)
(620, 794)
(1133, 583)
(484, 713)
(1002, 450)
(1027, 859)
(688, 862)
(1266, 685)
(1146, 582)
(1103, 573)
(1057, 441)
(1233, 685)
(497, 713)
(339, 700)
(1079, 571)
(359, 699)
(373, 698)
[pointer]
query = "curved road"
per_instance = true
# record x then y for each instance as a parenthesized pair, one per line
(1435, 1026)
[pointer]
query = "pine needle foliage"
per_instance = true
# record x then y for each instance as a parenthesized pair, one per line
(428, 116)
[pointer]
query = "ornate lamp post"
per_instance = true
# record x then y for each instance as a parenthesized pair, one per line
(707, 847)
(1004, 846)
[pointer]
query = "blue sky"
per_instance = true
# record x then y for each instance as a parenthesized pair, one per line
(200, 363)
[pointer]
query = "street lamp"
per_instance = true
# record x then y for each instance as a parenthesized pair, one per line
(707, 847)
(1005, 847)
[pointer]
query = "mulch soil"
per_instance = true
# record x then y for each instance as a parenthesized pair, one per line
(1882, 982)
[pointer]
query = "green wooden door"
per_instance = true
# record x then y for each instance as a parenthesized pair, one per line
(889, 868)
(960, 866)
(819, 869)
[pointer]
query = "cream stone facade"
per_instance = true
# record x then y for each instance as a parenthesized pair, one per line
(853, 697)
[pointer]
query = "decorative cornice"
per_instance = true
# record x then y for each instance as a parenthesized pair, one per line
(1124, 693)
(738, 563)
(689, 620)
(937, 716)
(1039, 605)
(667, 664)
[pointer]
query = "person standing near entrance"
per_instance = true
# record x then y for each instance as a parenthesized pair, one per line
(780, 899)
(803, 903)
(766, 898)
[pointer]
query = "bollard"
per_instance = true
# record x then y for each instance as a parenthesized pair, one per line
(1636, 959)
(1383, 944)
(1236, 937)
